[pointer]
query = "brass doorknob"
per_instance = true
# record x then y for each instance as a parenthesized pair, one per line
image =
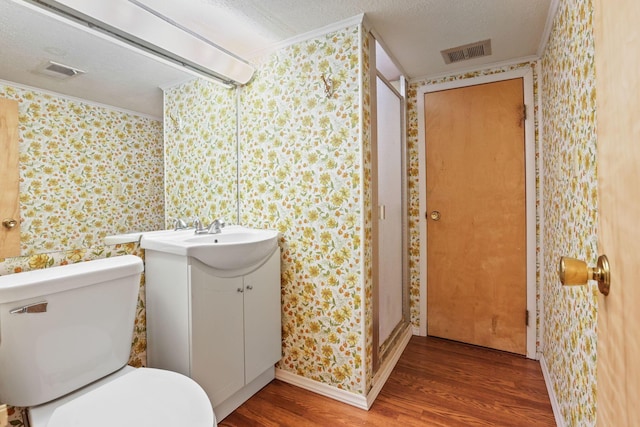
(576, 272)
(9, 223)
(435, 215)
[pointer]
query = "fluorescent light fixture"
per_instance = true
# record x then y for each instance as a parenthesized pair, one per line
(137, 23)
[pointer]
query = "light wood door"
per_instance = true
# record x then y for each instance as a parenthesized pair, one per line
(476, 249)
(9, 178)
(617, 55)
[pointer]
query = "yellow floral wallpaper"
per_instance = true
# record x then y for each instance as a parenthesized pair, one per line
(86, 171)
(138, 355)
(200, 152)
(301, 171)
(570, 208)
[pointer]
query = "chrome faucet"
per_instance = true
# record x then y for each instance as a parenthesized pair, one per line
(179, 224)
(214, 228)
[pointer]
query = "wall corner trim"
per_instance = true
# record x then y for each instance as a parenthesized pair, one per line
(488, 66)
(79, 100)
(387, 366)
(557, 414)
(350, 398)
(336, 26)
(548, 26)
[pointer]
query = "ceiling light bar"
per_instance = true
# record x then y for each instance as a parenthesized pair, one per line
(183, 28)
(140, 26)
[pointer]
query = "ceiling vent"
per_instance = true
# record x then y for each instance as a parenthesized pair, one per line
(60, 71)
(468, 51)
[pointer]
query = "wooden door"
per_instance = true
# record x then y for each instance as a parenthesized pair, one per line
(9, 180)
(476, 227)
(617, 56)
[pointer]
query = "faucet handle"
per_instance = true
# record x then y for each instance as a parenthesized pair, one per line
(216, 226)
(178, 223)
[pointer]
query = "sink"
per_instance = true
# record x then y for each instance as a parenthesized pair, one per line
(235, 248)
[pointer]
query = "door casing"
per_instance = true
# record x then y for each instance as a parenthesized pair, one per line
(531, 194)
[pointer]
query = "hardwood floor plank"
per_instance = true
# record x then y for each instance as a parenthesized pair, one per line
(435, 383)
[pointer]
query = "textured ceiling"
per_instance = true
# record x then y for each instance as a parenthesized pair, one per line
(415, 31)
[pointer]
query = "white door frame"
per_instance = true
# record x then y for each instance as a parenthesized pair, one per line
(530, 183)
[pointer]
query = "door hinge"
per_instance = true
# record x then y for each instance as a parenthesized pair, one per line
(524, 112)
(526, 319)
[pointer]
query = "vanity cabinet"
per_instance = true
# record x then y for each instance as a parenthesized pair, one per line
(224, 332)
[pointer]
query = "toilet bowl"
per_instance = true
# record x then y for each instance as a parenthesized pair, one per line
(65, 339)
(131, 397)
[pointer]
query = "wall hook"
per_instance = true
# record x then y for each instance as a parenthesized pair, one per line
(328, 86)
(177, 123)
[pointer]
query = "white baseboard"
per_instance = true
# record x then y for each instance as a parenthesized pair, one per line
(344, 396)
(552, 394)
(385, 370)
(350, 398)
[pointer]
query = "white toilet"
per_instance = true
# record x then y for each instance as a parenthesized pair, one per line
(65, 339)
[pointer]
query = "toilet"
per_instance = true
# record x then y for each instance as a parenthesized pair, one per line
(65, 339)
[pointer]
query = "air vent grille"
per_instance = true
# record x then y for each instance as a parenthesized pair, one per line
(468, 51)
(59, 71)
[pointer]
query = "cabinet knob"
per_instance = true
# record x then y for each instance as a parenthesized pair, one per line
(250, 287)
(240, 290)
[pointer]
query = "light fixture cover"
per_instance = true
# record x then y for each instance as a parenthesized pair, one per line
(137, 25)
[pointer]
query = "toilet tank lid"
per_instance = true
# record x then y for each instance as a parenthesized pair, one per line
(31, 284)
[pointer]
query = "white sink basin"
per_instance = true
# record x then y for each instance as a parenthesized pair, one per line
(235, 248)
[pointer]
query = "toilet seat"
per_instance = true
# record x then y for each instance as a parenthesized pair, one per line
(143, 397)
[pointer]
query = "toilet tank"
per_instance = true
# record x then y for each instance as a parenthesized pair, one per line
(64, 327)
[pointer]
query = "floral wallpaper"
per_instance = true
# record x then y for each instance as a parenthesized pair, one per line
(138, 355)
(570, 208)
(86, 171)
(200, 152)
(301, 171)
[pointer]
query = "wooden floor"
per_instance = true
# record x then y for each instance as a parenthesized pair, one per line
(435, 383)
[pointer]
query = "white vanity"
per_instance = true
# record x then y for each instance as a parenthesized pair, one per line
(220, 326)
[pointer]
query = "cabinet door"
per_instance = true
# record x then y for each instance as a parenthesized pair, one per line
(167, 302)
(217, 342)
(263, 326)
